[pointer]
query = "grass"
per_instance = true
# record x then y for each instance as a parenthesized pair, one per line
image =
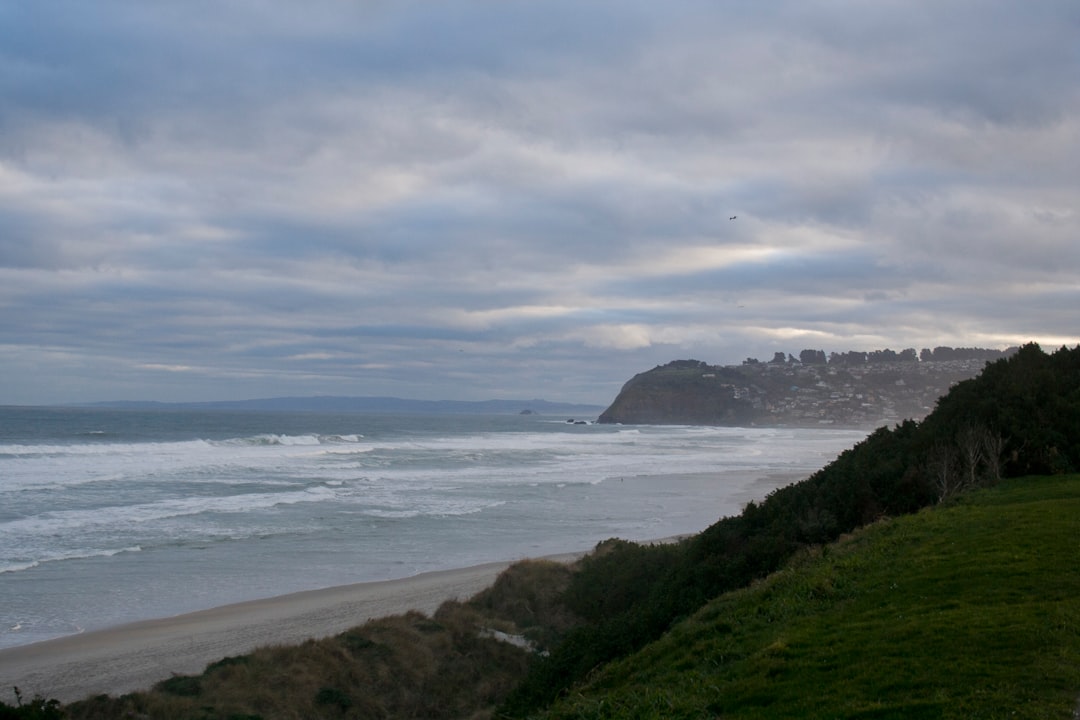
(965, 611)
(403, 666)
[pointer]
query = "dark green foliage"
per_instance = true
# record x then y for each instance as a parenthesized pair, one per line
(428, 626)
(181, 686)
(615, 577)
(333, 697)
(1032, 400)
(358, 644)
(227, 662)
(37, 709)
(1021, 416)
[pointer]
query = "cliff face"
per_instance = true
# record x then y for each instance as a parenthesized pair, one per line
(690, 392)
(685, 392)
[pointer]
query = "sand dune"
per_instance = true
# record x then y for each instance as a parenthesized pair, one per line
(135, 656)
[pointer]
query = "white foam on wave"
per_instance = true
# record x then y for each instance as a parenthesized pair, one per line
(179, 447)
(101, 449)
(343, 438)
(11, 567)
(473, 458)
(35, 467)
(269, 439)
(291, 440)
(344, 451)
(76, 554)
(431, 509)
(58, 522)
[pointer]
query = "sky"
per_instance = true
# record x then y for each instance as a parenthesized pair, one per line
(477, 199)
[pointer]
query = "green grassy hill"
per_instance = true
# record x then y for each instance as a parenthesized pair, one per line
(965, 611)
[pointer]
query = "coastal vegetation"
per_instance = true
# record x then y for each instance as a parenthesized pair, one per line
(36, 708)
(831, 597)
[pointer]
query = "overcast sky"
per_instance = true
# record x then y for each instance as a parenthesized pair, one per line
(475, 199)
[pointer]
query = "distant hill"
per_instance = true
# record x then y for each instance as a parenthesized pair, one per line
(849, 389)
(389, 405)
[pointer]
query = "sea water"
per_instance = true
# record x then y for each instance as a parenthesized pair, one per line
(111, 516)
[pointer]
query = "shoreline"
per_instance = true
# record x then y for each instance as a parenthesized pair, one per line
(134, 656)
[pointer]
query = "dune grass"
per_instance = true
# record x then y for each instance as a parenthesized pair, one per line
(965, 611)
(451, 664)
(409, 665)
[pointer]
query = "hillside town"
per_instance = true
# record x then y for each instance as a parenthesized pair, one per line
(846, 389)
(870, 394)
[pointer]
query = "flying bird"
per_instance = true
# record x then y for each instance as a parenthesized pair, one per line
(733, 217)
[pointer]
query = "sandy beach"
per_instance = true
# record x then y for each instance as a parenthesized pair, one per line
(135, 656)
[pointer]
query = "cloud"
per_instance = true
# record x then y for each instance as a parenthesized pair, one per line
(521, 198)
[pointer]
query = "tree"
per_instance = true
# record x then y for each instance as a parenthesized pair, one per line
(969, 442)
(942, 467)
(972, 459)
(852, 357)
(879, 356)
(993, 450)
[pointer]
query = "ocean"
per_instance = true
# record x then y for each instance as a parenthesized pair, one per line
(110, 516)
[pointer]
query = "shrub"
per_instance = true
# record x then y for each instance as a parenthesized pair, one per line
(181, 686)
(335, 697)
(227, 662)
(37, 709)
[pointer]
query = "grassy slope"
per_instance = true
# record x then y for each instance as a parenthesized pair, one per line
(969, 611)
